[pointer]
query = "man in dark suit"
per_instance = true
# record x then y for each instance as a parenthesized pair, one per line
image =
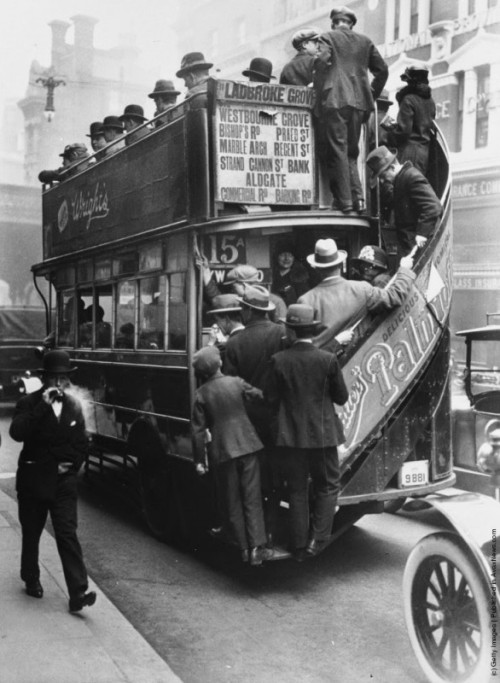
(416, 206)
(300, 69)
(304, 384)
(344, 101)
(50, 422)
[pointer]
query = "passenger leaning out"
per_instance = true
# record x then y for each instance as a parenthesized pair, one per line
(75, 158)
(300, 69)
(233, 451)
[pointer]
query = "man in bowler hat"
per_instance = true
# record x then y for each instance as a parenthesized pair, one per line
(344, 102)
(113, 133)
(132, 119)
(259, 71)
(165, 97)
(304, 383)
(51, 425)
(409, 194)
(97, 139)
(195, 72)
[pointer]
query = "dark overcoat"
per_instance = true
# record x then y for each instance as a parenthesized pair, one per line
(415, 125)
(416, 206)
(299, 70)
(304, 383)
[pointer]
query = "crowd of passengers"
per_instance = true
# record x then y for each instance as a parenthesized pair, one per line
(264, 413)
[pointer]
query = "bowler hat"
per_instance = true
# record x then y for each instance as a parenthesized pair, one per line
(77, 148)
(191, 62)
(373, 255)
(95, 129)
(257, 296)
(243, 273)
(207, 360)
(112, 122)
(343, 13)
(261, 68)
(163, 87)
(415, 72)
(300, 315)
(133, 111)
(225, 303)
(326, 254)
(303, 35)
(57, 362)
(378, 161)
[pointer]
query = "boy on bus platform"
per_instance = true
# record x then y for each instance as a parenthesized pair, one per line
(303, 385)
(233, 452)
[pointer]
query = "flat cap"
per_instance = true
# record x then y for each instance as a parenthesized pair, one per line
(303, 35)
(343, 12)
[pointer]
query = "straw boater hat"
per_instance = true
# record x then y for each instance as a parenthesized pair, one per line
(191, 62)
(225, 303)
(57, 362)
(207, 360)
(163, 87)
(326, 254)
(343, 12)
(256, 296)
(378, 161)
(300, 315)
(133, 111)
(303, 35)
(259, 67)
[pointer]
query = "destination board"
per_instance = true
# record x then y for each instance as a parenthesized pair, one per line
(263, 144)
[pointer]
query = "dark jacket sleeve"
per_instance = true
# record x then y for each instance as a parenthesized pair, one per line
(28, 418)
(338, 389)
(379, 70)
(427, 205)
(393, 295)
(198, 427)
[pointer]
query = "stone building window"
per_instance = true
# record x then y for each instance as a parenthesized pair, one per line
(482, 106)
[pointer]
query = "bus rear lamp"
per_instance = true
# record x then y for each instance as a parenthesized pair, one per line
(488, 455)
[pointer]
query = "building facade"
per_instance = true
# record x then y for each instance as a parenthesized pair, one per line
(460, 42)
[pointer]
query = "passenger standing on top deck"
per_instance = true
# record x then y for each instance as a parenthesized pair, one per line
(195, 72)
(340, 303)
(300, 70)
(233, 452)
(165, 97)
(344, 100)
(259, 71)
(416, 206)
(113, 132)
(304, 383)
(373, 266)
(75, 159)
(97, 139)
(132, 118)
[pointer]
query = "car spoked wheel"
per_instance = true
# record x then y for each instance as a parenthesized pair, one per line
(447, 611)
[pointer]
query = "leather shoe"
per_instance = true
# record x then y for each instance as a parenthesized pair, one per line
(80, 601)
(315, 547)
(34, 588)
(360, 206)
(260, 555)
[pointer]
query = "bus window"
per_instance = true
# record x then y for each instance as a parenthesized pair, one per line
(151, 312)
(85, 324)
(103, 315)
(66, 317)
(177, 311)
(125, 315)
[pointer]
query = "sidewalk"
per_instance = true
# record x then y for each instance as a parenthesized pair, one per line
(41, 642)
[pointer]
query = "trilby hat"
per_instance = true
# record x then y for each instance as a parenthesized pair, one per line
(191, 62)
(257, 296)
(112, 122)
(57, 362)
(133, 111)
(300, 315)
(225, 303)
(303, 35)
(95, 129)
(378, 161)
(243, 273)
(343, 12)
(326, 254)
(207, 360)
(373, 255)
(163, 87)
(260, 67)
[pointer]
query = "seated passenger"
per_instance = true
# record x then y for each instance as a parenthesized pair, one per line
(300, 70)
(75, 159)
(290, 278)
(165, 97)
(97, 139)
(373, 266)
(113, 132)
(259, 71)
(195, 72)
(125, 338)
(102, 329)
(132, 119)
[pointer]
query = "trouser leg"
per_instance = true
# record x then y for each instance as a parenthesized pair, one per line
(297, 474)
(63, 512)
(32, 517)
(354, 120)
(251, 494)
(228, 476)
(336, 153)
(325, 473)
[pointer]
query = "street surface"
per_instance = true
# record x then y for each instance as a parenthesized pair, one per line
(335, 619)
